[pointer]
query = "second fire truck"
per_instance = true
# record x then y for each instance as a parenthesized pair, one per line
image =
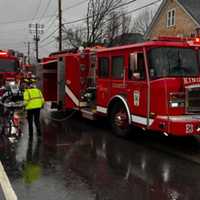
(154, 85)
(9, 69)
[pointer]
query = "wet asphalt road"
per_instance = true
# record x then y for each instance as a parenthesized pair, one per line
(81, 160)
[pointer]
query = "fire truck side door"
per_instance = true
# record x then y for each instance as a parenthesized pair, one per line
(103, 81)
(137, 85)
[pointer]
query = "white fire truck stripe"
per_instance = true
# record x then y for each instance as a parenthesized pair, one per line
(141, 120)
(73, 97)
(6, 186)
(102, 109)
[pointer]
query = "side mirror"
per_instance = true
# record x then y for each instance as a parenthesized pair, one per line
(133, 62)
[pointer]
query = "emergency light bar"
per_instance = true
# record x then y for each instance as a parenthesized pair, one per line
(171, 38)
(3, 53)
(189, 40)
(194, 41)
(197, 40)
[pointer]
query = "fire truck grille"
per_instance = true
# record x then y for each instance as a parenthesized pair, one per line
(193, 99)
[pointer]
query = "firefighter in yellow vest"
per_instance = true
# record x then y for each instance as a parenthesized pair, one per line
(34, 101)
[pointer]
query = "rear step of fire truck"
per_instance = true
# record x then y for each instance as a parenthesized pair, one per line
(89, 113)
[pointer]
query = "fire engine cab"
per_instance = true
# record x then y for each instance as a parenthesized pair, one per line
(9, 67)
(154, 85)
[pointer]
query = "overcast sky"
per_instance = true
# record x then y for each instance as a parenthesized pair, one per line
(15, 17)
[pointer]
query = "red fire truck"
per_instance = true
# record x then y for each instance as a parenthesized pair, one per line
(154, 85)
(9, 67)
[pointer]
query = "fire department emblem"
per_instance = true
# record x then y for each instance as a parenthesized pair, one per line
(136, 97)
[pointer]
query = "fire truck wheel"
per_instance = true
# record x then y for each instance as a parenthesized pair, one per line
(119, 120)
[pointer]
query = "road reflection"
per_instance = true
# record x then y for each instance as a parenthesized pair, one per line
(79, 159)
(115, 168)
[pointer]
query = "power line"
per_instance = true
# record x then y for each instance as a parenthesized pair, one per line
(36, 18)
(37, 10)
(85, 18)
(129, 12)
(135, 10)
(51, 22)
(47, 43)
(132, 11)
(44, 39)
(45, 10)
(75, 5)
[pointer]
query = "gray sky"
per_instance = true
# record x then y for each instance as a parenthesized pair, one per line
(16, 17)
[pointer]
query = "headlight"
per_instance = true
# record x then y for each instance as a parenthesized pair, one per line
(177, 99)
(11, 83)
(174, 104)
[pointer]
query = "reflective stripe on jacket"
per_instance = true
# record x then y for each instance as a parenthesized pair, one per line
(33, 98)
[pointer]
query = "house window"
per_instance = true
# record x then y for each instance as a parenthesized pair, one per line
(118, 67)
(171, 14)
(103, 67)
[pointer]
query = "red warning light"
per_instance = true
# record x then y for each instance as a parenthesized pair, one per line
(3, 53)
(197, 40)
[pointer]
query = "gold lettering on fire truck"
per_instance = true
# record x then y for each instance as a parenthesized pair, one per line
(188, 81)
(118, 85)
(136, 98)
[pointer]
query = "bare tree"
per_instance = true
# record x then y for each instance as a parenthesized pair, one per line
(142, 22)
(97, 14)
(126, 21)
(112, 28)
(74, 37)
(118, 25)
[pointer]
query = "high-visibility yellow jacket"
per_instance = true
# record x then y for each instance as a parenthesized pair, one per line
(33, 98)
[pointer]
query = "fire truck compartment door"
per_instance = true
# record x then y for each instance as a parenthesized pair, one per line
(103, 91)
(138, 98)
(47, 72)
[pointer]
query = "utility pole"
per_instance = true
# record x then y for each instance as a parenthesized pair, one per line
(28, 51)
(27, 58)
(37, 30)
(37, 39)
(60, 24)
(60, 65)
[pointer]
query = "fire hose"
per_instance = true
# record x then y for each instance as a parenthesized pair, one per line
(70, 115)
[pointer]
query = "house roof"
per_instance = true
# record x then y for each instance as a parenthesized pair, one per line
(190, 6)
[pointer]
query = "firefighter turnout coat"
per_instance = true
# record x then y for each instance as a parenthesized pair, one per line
(33, 98)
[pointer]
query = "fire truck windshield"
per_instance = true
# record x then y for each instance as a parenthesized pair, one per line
(8, 65)
(173, 61)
